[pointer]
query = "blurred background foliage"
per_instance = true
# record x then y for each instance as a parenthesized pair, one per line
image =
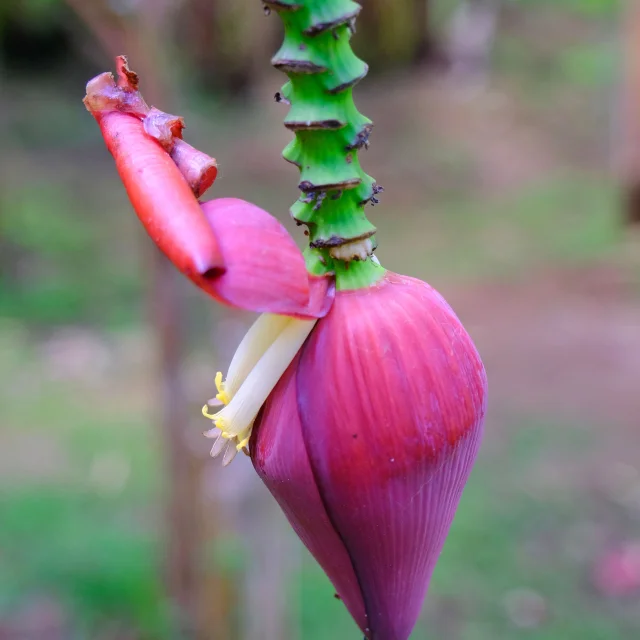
(497, 163)
(46, 51)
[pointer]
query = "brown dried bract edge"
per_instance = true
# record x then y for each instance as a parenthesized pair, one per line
(105, 95)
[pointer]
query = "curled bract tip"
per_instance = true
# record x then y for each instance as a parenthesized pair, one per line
(105, 95)
(198, 169)
(236, 252)
(164, 127)
(127, 78)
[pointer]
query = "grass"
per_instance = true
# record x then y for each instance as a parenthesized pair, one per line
(563, 222)
(96, 546)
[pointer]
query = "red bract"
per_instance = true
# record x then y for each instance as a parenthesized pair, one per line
(141, 141)
(161, 196)
(236, 252)
(264, 269)
(367, 441)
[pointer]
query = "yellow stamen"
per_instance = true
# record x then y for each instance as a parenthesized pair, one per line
(243, 443)
(262, 357)
(206, 414)
(220, 386)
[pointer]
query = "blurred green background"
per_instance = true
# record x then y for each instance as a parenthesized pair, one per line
(495, 152)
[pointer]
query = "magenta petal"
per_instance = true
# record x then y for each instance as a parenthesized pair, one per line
(280, 458)
(391, 397)
(264, 269)
(322, 291)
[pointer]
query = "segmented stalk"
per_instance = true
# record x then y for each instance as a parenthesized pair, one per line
(329, 131)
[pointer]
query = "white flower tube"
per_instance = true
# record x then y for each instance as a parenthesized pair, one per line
(261, 359)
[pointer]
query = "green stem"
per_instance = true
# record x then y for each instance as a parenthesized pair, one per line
(329, 132)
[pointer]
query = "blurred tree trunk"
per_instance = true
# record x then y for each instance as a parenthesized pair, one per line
(197, 35)
(182, 522)
(144, 37)
(471, 39)
(396, 32)
(627, 150)
(229, 44)
(274, 559)
(425, 47)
